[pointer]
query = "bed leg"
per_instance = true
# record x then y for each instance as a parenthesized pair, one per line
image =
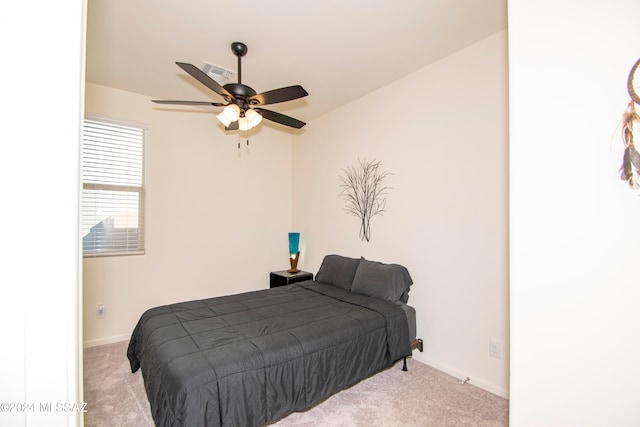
(417, 343)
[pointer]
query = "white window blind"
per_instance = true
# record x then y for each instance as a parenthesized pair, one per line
(112, 189)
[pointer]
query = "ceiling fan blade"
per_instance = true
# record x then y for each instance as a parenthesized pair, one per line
(232, 126)
(280, 118)
(203, 78)
(215, 104)
(278, 95)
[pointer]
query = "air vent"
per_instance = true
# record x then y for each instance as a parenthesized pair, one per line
(221, 75)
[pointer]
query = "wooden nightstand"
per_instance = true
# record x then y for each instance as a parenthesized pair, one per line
(283, 278)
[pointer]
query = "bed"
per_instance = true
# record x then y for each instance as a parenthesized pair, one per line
(252, 358)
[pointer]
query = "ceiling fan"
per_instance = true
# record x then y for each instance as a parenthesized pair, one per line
(242, 104)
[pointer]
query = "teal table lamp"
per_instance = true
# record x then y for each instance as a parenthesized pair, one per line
(294, 252)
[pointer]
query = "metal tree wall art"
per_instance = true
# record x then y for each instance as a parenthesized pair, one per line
(364, 193)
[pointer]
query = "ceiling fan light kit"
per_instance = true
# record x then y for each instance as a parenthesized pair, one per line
(242, 108)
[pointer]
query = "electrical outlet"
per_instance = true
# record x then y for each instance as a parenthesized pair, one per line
(101, 310)
(495, 349)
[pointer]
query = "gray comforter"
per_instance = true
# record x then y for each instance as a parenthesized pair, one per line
(252, 358)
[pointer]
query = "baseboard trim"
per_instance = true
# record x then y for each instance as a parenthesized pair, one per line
(491, 388)
(107, 340)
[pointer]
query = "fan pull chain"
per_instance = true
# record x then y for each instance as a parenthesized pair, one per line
(239, 138)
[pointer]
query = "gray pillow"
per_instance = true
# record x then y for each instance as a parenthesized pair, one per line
(390, 282)
(338, 270)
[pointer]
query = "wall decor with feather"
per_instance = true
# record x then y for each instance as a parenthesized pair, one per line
(630, 169)
(364, 193)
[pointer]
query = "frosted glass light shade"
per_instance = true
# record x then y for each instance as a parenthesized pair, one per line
(232, 112)
(223, 119)
(254, 117)
(243, 123)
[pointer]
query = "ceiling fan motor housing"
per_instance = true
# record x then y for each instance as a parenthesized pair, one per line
(240, 92)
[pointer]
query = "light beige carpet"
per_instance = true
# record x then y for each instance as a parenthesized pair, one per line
(423, 396)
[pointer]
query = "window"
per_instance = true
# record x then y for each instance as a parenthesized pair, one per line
(112, 189)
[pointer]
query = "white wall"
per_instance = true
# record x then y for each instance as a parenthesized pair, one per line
(217, 217)
(442, 132)
(575, 323)
(39, 275)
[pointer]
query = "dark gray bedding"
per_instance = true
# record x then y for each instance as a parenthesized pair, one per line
(252, 358)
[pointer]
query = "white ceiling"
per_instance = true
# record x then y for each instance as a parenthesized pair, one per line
(338, 50)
